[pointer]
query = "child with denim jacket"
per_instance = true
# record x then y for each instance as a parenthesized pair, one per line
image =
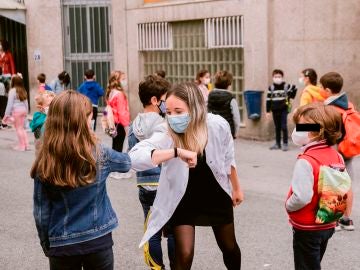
(152, 93)
(72, 211)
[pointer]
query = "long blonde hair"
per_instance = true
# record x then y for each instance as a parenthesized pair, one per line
(196, 135)
(66, 156)
(114, 83)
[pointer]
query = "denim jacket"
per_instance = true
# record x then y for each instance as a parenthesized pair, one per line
(65, 216)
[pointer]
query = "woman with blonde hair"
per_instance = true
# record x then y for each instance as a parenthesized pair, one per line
(72, 211)
(117, 100)
(198, 183)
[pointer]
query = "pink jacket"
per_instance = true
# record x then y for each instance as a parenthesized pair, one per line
(120, 107)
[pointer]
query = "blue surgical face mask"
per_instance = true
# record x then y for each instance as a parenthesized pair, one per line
(179, 123)
(162, 108)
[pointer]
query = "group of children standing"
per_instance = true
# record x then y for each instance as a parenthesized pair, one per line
(178, 145)
(324, 119)
(85, 165)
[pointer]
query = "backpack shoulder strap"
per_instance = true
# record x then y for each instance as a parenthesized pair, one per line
(340, 159)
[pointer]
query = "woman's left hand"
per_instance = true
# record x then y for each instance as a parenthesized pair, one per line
(237, 197)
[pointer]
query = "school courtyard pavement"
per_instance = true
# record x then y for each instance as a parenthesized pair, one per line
(262, 229)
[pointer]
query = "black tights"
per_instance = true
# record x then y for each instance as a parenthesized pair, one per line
(225, 238)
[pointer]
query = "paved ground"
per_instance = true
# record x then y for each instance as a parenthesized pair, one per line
(261, 223)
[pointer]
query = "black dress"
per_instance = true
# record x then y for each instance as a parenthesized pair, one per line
(204, 203)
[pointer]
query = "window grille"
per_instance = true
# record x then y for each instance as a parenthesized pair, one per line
(155, 36)
(225, 32)
(189, 55)
(87, 39)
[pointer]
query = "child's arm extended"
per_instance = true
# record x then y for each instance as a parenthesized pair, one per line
(237, 193)
(302, 184)
(117, 161)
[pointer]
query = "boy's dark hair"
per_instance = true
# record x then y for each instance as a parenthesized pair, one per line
(332, 81)
(311, 74)
(5, 45)
(278, 71)
(152, 86)
(89, 74)
(223, 79)
(41, 78)
(64, 77)
(161, 73)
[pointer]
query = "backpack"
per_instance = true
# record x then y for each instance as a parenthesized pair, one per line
(350, 145)
(334, 183)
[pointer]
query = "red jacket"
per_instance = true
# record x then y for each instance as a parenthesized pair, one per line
(7, 63)
(304, 219)
(120, 108)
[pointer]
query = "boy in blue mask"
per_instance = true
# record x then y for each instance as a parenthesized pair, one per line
(152, 92)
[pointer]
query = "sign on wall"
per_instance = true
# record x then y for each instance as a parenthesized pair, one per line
(37, 55)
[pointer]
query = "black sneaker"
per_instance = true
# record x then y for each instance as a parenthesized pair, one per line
(347, 225)
(275, 147)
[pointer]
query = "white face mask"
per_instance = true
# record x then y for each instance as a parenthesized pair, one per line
(300, 138)
(301, 81)
(123, 83)
(206, 81)
(277, 80)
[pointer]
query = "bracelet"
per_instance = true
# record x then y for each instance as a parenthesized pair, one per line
(175, 152)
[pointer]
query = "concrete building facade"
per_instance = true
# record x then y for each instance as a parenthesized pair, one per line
(290, 35)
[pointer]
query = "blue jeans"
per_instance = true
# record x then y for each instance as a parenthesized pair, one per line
(309, 248)
(103, 260)
(147, 198)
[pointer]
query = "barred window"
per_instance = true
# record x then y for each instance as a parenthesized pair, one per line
(155, 36)
(189, 54)
(87, 39)
(224, 32)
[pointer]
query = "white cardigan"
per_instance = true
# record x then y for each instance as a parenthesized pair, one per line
(175, 172)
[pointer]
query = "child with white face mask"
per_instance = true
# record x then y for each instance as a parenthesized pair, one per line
(202, 81)
(278, 103)
(321, 128)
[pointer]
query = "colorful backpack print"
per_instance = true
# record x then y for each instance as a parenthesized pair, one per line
(333, 185)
